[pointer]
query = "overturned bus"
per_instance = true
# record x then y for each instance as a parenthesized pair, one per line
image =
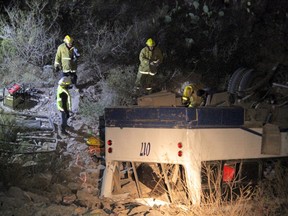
(176, 153)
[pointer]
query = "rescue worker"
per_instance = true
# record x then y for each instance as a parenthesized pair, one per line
(193, 95)
(150, 58)
(66, 59)
(64, 102)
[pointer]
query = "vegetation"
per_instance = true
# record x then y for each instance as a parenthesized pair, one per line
(236, 197)
(209, 38)
(109, 91)
(28, 40)
(8, 128)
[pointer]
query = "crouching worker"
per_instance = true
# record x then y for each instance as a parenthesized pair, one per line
(64, 103)
(194, 95)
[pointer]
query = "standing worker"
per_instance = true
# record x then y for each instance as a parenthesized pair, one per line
(64, 103)
(150, 58)
(66, 59)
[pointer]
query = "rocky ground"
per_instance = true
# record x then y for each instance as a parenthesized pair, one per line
(64, 182)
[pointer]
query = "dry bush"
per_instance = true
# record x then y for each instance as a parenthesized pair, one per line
(102, 43)
(114, 41)
(115, 90)
(8, 127)
(215, 200)
(10, 174)
(268, 198)
(28, 39)
(272, 193)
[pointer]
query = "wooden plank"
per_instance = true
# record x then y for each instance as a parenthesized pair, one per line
(116, 179)
(136, 180)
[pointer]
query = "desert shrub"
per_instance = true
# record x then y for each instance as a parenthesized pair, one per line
(272, 196)
(114, 38)
(231, 199)
(8, 127)
(115, 90)
(269, 197)
(217, 202)
(8, 134)
(101, 45)
(28, 38)
(108, 46)
(10, 174)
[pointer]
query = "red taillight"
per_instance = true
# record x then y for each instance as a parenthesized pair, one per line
(109, 150)
(228, 173)
(180, 153)
(109, 142)
(180, 145)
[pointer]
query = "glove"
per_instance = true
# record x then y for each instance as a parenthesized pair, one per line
(154, 63)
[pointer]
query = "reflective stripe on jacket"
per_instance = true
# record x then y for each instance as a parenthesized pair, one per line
(64, 59)
(60, 107)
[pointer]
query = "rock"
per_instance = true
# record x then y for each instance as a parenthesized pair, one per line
(68, 200)
(60, 189)
(74, 186)
(85, 198)
(18, 193)
(154, 212)
(140, 209)
(92, 176)
(37, 198)
(77, 125)
(68, 175)
(54, 209)
(123, 213)
(80, 211)
(82, 147)
(98, 212)
(119, 208)
(38, 181)
(75, 168)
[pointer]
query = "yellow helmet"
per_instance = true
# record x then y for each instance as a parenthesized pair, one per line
(94, 141)
(150, 42)
(68, 39)
(64, 81)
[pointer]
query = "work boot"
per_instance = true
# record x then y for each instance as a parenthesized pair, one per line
(75, 88)
(69, 128)
(63, 131)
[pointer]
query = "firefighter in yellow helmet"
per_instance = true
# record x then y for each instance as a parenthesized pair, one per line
(150, 58)
(64, 104)
(193, 95)
(66, 59)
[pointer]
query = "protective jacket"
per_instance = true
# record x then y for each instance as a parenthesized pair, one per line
(63, 99)
(147, 56)
(190, 97)
(65, 59)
